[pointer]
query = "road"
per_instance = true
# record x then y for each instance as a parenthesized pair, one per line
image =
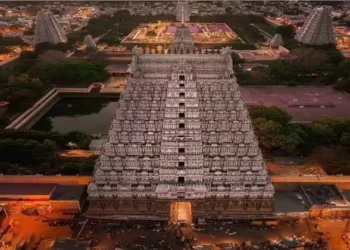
(87, 90)
(325, 179)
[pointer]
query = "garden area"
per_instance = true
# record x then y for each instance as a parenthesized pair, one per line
(304, 66)
(28, 78)
(34, 152)
(327, 140)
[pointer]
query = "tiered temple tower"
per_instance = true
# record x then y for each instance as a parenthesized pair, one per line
(182, 42)
(182, 11)
(48, 29)
(181, 133)
(317, 28)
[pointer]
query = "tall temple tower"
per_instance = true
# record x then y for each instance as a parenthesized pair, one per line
(317, 28)
(182, 11)
(181, 134)
(182, 42)
(48, 29)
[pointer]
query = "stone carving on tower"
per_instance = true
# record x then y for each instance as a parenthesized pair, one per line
(181, 133)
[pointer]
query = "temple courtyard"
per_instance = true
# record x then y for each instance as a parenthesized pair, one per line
(163, 33)
(305, 104)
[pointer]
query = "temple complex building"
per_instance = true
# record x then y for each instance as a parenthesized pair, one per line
(181, 135)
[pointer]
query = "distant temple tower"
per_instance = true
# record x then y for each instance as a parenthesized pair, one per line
(182, 42)
(182, 11)
(317, 28)
(48, 29)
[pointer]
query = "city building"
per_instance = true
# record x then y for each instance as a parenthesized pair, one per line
(182, 11)
(48, 29)
(317, 28)
(181, 139)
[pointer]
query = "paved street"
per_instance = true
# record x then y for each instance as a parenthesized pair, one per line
(326, 179)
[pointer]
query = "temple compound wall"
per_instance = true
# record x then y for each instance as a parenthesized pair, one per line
(181, 133)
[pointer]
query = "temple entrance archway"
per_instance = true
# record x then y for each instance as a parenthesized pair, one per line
(181, 212)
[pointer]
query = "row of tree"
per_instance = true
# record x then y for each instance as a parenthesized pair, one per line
(61, 140)
(63, 166)
(31, 75)
(329, 139)
(304, 66)
(276, 133)
(34, 152)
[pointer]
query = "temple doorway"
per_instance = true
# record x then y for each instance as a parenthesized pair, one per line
(182, 77)
(181, 212)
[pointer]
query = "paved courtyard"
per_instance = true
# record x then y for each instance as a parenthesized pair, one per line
(303, 103)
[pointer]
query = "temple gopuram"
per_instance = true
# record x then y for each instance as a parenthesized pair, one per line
(182, 136)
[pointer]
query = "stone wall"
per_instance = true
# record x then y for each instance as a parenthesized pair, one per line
(63, 180)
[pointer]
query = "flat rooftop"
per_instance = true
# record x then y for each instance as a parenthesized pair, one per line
(26, 189)
(117, 68)
(68, 192)
(287, 201)
(305, 104)
(324, 195)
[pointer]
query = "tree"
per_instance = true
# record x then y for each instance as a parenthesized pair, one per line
(219, 4)
(308, 58)
(334, 159)
(4, 122)
(11, 41)
(52, 56)
(228, 10)
(71, 72)
(26, 151)
(267, 132)
(236, 59)
(61, 139)
(343, 85)
(151, 33)
(286, 31)
(270, 113)
(289, 142)
(45, 46)
(344, 68)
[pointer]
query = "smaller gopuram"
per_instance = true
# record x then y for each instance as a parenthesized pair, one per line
(182, 42)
